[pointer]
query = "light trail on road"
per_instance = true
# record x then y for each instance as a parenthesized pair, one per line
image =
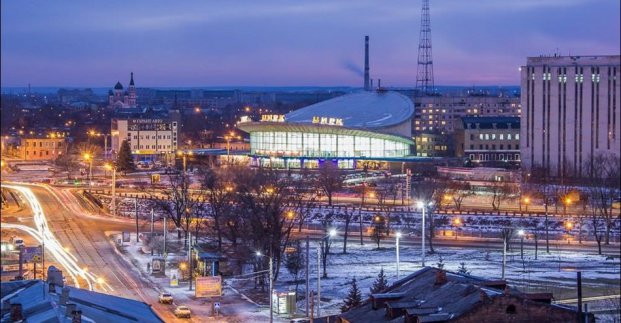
(43, 234)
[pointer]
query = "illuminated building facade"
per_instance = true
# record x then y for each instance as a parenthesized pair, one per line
(343, 130)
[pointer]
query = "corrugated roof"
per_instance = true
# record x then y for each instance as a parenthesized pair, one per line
(368, 109)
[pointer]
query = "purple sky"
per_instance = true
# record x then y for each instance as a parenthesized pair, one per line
(290, 43)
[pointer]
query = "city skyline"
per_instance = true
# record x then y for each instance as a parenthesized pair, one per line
(278, 43)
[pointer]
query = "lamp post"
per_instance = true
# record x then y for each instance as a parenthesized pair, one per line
(271, 278)
(113, 169)
(89, 158)
(397, 237)
(521, 234)
(421, 205)
(566, 203)
(228, 138)
(526, 202)
(457, 223)
(504, 255)
(331, 233)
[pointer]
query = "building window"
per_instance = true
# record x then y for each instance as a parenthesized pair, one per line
(508, 136)
(509, 146)
(471, 156)
(502, 147)
(471, 147)
(517, 136)
(502, 136)
(502, 156)
(517, 146)
(487, 136)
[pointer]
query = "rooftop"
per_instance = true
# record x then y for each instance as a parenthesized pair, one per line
(368, 109)
(41, 302)
(436, 295)
(488, 122)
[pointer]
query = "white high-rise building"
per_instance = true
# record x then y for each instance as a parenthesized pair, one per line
(571, 111)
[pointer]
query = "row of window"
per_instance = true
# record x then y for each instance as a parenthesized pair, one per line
(34, 153)
(44, 144)
(501, 136)
(153, 137)
(324, 145)
(151, 147)
(488, 157)
(501, 147)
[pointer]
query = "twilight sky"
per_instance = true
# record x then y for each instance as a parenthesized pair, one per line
(290, 43)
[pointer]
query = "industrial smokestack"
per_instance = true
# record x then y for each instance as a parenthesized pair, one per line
(367, 85)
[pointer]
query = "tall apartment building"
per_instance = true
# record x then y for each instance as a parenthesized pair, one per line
(571, 111)
(439, 113)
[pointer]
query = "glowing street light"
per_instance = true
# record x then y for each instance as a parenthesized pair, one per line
(521, 233)
(422, 205)
(113, 169)
(397, 237)
(88, 157)
(271, 278)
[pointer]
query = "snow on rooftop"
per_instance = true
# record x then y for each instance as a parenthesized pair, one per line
(359, 110)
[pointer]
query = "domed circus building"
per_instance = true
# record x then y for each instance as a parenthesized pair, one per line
(348, 130)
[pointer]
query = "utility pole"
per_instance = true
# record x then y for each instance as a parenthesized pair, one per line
(307, 296)
(190, 256)
(165, 233)
(136, 207)
(152, 215)
(504, 255)
(318, 281)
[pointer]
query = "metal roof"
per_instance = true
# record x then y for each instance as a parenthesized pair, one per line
(368, 109)
(318, 128)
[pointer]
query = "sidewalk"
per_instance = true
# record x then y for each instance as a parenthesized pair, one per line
(234, 306)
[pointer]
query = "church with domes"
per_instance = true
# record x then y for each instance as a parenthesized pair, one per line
(120, 99)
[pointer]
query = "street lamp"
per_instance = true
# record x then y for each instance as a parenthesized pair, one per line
(93, 133)
(457, 223)
(271, 278)
(566, 203)
(228, 138)
(371, 194)
(421, 205)
(331, 233)
(113, 169)
(521, 234)
(397, 237)
(89, 158)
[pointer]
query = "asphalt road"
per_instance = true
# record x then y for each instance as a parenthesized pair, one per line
(85, 236)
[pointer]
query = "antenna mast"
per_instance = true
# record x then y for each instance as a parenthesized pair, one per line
(424, 75)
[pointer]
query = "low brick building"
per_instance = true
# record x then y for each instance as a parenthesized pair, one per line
(436, 295)
(42, 148)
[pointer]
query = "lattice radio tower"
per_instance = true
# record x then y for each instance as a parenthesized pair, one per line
(424, 74)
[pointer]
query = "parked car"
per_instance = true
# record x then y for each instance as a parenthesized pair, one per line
(165, 298)
(17, 241)
(182, 311)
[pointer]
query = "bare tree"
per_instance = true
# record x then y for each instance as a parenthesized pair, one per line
(329, 179)
(604, 186)
(431, 193)
(457, 191)
(501, 190)
(262, 196)
(218, 189)
(347, 216)
(178, 205)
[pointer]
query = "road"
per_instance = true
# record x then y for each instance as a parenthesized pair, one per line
(84, 236)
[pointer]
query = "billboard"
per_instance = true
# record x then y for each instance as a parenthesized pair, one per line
(30, 253)
(210, 286)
